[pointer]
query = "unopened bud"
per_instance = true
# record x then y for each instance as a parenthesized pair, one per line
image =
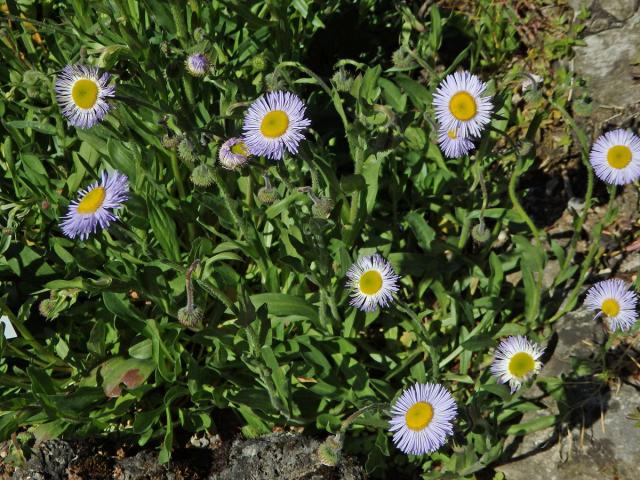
(203, 175)
(199, 34)
(342, 80)
(274, 82)
(190, 317)
(259, 63)
(329, 451)
(268, 195)
(46, 307)
(401, 58)
(185, 151)
(322, 207)
(480, 233)
(170, 142)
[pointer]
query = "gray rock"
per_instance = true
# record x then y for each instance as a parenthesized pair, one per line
(284, 456)
(612, 44)
(596, 440)
(48, 462)
(620, 9)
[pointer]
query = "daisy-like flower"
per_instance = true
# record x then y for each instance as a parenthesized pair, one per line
(373, 282)
(94, 206)
(422, 418)
(233, 154)
(516, 361)
(615, 301)
(274, 123)
(82, 94)
(197, 64)
(452, 144)
(615, 157)
(460, 106)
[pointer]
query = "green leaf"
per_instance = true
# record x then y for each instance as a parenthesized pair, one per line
(131, 372)
(41, 127)
(421, 229)
(164, 229)
(283, 304)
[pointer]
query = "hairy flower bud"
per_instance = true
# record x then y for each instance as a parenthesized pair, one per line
(342, 80)
(329, 451)
(190, 317)
(480, 233)
(203, 175)
(401, 58)
(185, 151)
(322, 207)
(268, 195)
(170, 142)
(259, 63)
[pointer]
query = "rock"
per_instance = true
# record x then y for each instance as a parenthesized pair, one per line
(48, 462)
(284, 456)
(620, 9)
(612, 43)
(596, 440)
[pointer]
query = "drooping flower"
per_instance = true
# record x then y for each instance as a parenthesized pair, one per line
(615, 157)
(274, 124)
(197, 64)
(452, 144)
(233, 154)
(82, 94)
(95, 206)
(373, 282)
(460, 106)
(516, 361)
(614, 299)
(422, 418)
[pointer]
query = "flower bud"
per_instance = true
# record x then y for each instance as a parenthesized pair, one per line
(197, 64)
(191, 317)
(203, 175)
(274, 82)
(480, 233)
(401, 58)
(185, 151)
(322, 207)
(329, 451)
(342, 80)
(233, 154)
(199, 34)
(170, 142)
(259, 63)
(268, 195)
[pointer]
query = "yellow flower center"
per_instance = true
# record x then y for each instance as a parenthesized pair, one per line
(84, 93)
(240, 149)
(521, 364)
(619, 156)
(92, 201)
(419, 416)
(370, 282)
(452, 134)
(274, 124)
(463, 106)
(610, 307)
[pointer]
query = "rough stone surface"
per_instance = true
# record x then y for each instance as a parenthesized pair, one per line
(49, 462)
(597, 441)
(608, 60)
(283, 456)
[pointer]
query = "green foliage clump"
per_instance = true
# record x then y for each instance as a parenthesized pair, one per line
(105, 340)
